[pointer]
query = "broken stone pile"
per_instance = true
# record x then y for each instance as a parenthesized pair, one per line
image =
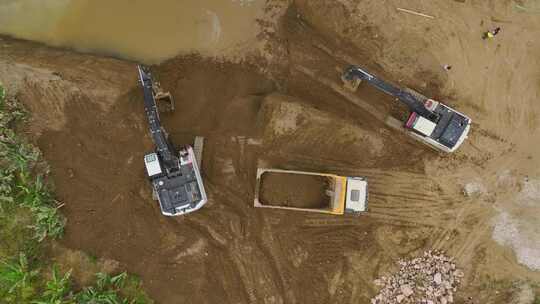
(430, 279)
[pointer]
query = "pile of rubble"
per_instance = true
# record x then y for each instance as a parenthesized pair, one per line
(430, 279)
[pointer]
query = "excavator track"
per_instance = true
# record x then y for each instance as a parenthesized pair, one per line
(198, 146)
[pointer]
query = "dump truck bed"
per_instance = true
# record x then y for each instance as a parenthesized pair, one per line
(294, 190)
(299, 190)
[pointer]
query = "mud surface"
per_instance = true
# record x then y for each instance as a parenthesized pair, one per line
(294, 190)
(137, 30)
(285, 107)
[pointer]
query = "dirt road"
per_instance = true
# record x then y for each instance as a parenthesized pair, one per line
(285, 107)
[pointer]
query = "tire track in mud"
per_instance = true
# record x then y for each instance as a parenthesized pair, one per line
(236, 230)
(249, 246)
(343, 92)
(231, 256)
(258, 274)
(271, 250)
(416, 207)
(330, 242)
(473, 238)
(263, 236)
(397, 198)
(226, 231)
(381, 117)
(222, 252)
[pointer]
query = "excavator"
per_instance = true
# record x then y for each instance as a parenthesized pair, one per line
(430, 121)
(175, 175)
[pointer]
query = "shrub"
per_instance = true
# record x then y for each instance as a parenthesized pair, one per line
(57, 289)
(17, 279)
(19, 185)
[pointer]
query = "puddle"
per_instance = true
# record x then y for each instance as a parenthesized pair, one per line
(148, 31)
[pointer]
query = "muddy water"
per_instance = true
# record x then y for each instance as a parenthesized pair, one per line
(148, 31)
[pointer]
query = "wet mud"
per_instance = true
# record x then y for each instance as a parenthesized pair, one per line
(294, 190)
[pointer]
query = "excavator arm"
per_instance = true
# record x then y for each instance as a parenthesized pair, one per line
(429, 121)
(164, 148)
(413, 102)
(176, 180)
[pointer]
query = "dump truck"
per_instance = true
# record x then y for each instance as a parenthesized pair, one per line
(430, 122)
(310, 191)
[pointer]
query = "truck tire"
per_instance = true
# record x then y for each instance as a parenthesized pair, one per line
(198, 150)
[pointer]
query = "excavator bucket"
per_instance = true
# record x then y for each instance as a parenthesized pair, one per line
(350, 83)
(164, 100)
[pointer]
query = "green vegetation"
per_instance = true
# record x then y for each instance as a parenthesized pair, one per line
(20, 283)
(57, 289)
(17, 279)
(107, 290)
(29, 216)
(28, 211)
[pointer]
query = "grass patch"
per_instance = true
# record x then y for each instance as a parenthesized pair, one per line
(29, 216)
(28, 210)
(132, 289)
(20, 282)
(57, 289)
(17, 280)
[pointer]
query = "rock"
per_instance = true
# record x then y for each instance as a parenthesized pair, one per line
(406, 290)
(430, 278)
(447, 285)
(474, 188)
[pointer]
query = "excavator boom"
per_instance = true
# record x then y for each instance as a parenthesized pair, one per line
(411, 101)
(164, 148)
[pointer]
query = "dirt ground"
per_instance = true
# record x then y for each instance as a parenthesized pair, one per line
(294, 190)
(285, 107)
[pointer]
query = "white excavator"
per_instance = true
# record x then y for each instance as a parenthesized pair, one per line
(430, 121)
(175, 175)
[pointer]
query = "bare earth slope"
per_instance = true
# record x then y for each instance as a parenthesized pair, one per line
(88, 119)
